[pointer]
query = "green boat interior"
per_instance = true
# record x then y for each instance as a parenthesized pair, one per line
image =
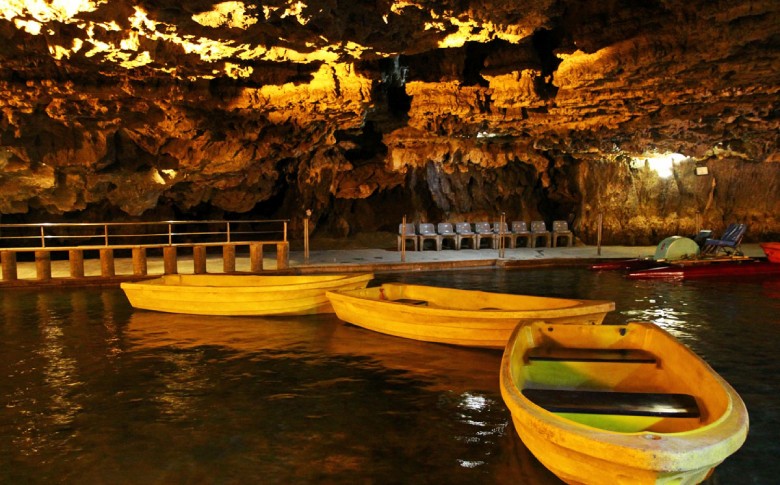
(582, 395)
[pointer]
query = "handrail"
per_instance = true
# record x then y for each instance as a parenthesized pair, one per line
(46, 233)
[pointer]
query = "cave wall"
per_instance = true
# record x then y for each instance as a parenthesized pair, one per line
(639, 207)
(120, 175)
(365, 112)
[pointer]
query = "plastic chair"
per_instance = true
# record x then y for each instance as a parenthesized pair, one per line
(406, 235)
(464, 232)
(503, 232)
(561, 229)
(521, 233)
(539, 230)
(446, 232)
(426, 232)
(484, 232)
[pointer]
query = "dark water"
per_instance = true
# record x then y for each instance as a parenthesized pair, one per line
(94, 392)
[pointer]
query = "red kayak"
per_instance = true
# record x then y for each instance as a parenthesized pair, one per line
(747, 268)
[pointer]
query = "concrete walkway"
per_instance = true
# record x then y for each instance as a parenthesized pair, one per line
(350, 260)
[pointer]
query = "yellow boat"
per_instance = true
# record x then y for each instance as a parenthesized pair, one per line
(457, 317)
(619, 404)
(240, 294)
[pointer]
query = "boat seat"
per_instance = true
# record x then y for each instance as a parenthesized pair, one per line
(628, 356)
(410, 301)
(618, 403)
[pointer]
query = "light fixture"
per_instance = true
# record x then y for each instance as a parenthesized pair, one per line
(661, 163)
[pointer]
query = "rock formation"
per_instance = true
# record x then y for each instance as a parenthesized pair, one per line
(367, 111)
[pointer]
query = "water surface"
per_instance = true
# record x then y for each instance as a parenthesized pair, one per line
(95, 392)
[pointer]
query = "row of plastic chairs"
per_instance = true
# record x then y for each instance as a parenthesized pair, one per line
(465, 235)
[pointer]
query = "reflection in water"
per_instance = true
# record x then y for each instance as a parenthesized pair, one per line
(45, 401)
(344, 363)
(94, 392)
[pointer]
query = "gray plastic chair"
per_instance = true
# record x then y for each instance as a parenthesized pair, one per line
(502, 231)
(426, 232)
(406, 235)
(446, 232)
(464, 232)
(561, 229)
(539, 230)
(521, 233)
(483, 231)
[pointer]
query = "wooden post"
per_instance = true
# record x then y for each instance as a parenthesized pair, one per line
(199, 259)
(139, 261)
(598, 232)
(9, 265)
(501, 242)
(306, 237)
(282, 255)
(43, 265)
(170, 263)
(229, 258)
(76, 259)
(403, 239)
(256, 257)
(107, 262)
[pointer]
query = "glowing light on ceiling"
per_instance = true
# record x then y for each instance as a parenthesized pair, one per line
(46, 11)
(99, 39)
(156, 177)
(30, 26)
(486, 134)
(235, 71)
(661, 163)
(398, 6)
(226, 14)
(162, 177)
(295, 10)
(472, 31)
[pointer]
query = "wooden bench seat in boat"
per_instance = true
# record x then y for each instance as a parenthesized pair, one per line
(568, 354)
(618, 403)
(409, 301)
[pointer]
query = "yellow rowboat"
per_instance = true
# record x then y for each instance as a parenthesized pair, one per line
(619, 404)
(240, 294)
(457, 317)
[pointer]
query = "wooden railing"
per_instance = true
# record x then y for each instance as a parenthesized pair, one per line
(43, 239)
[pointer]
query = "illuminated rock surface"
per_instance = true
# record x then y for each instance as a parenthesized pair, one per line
(366, 111)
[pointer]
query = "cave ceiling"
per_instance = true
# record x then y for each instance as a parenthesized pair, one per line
(141, 103)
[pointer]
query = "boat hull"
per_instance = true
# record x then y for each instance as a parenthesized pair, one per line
(730, 269)
(457, 317)
(614, 447)
(240, 294)
(625, 264)
(772, 251)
